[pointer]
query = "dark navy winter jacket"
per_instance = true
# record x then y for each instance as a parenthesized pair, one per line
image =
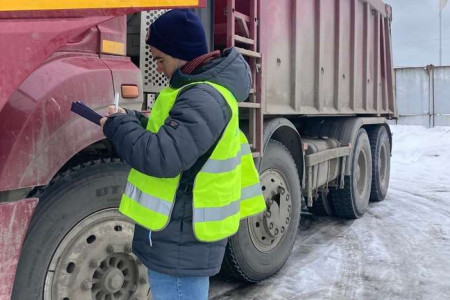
(182, 145)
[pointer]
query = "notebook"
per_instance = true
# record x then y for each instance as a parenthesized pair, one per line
(83, 110)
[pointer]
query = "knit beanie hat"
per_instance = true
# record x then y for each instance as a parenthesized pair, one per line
(178, 33)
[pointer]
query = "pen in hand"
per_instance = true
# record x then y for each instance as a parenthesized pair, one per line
(112, 109)
(116, 102)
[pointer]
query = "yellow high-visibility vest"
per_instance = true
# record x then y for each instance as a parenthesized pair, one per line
(225, 190)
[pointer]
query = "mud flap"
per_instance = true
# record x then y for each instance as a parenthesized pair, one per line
(14, 220)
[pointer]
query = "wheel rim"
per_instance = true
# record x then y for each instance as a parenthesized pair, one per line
(94, 261)
(268, 230)
(383, 165)
(361, 174)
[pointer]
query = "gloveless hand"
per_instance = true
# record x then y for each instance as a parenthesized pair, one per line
(110, 110)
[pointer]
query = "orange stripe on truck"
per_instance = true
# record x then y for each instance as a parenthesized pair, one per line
(20, 5)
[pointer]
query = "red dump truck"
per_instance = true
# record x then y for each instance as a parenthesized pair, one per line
(315, 118)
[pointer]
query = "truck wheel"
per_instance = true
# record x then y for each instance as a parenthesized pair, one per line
(353, 200)
(381, 167)
(78, 246)
(322, 206)
(264, 242)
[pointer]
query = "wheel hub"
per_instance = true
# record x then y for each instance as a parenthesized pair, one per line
(113, 280)
(361, 173)
(268, 229)
(383, 165)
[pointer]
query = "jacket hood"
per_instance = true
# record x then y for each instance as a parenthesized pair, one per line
(230, 71)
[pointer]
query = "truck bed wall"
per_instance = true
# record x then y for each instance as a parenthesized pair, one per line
(327, 57)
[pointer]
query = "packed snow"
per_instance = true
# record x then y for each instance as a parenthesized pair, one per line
(400, 249)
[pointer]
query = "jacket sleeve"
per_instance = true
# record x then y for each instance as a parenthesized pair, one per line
(195, 122)
(140, 116)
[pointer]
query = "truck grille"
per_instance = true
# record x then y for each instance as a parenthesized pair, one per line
(153, 82)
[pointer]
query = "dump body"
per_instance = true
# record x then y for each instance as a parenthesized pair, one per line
(326, 57)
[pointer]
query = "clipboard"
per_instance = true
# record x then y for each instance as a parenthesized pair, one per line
(86, 112)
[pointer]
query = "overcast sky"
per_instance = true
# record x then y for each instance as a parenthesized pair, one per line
(415, 32)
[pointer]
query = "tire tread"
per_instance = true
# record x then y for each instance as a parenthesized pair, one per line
(342, 199)
(374, 139)
(318, 208)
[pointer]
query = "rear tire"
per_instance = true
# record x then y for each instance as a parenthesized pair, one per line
(322, 206)
(77, 242)
(381, 167)
(264, 242)
(352, 201)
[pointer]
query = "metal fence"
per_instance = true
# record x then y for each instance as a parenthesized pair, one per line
(423, 96)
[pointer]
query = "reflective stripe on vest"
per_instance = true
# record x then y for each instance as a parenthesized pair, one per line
(252, 199)
(251, 191)
(221, 166)
(159, 205)
(221, 213)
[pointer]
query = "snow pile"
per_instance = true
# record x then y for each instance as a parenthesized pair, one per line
(422, 155)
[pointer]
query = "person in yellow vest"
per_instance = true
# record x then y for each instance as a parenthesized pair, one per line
(193, 177)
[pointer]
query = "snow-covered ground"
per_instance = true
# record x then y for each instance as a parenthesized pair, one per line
(400, 249)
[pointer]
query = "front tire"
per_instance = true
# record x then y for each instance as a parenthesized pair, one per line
(264, 242)
(78, 246)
